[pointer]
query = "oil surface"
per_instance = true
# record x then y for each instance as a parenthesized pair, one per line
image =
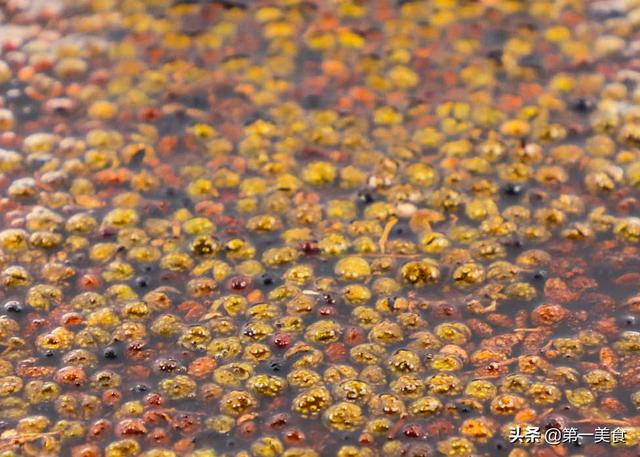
(319, 228)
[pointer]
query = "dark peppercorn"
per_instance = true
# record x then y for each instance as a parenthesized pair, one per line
(540, 275)
(629, 321)
(583, 105)
(276, 366)
(111, 353)
(37, 162)
(365, 197)
(400, 229)
(555, 421)
(142, 282)
(530, 61)
(464, 409)
(13, 306)
(512, 242)
(137, 158)
(512, 189)
(328, 299)
(312, 101)
(139, 388)
(78, 258)
(61, 110)
(495, 55)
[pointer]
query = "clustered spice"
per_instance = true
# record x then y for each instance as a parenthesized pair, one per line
(318, 228)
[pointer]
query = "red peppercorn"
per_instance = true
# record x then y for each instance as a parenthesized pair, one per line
(154, 399)
(327, 311)
(111, 397)
(613, 404)
(42, 64)
(99, 77)
(309, 247)
(247, 428)
(169, 276)
(445, 310)
(71, 319)
(546, 452)
(9, 45)
(282, 340)
(440, 427)
(336, 351)
(14, 218)
(36, 324)
(130, 427)
(158, 436)
(89, 281)
(293, 436)
(413, 431)
(365, 439)
(155, 417)
(239, 283)
(71, 375)
(149, 114)
(85, 450)
(8, 139)
(279, 420)
(186, 423)
(353, 336)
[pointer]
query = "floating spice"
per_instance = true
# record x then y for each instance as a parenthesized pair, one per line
(307, 229)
